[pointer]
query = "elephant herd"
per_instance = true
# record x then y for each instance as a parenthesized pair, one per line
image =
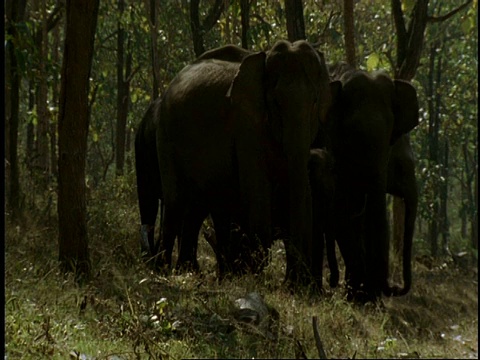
(278, 139)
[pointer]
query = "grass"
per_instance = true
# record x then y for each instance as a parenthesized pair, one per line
(127, 311)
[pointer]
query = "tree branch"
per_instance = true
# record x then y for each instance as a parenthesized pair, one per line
(416, 34)
(54, 17)
(132, 74)
(52, 21)
(401, 31)
(213, 15)
(436, 19)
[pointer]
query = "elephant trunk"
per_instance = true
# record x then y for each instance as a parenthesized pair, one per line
(300, 219)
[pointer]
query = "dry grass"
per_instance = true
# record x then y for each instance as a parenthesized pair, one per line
(130, 312)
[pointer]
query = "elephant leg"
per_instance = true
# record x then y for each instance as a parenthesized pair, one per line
(187, 255)
(332, 258)
(221, 223)
(172, 228)
(148, 196)
(348, 235)
(316, 254)
(298, 270)
(148, 214)
(376, 243)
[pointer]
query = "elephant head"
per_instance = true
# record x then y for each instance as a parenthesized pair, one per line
(369, 113)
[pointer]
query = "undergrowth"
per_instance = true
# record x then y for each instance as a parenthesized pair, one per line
(128, 311)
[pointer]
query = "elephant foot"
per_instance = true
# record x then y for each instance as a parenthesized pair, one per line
(333, 280)
(395, 291)
(363, 295)
(187, 266)
(163, 265)
(301, 280)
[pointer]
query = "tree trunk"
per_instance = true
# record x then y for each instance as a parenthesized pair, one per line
(154, 49)
(15, 11)
(349, 33)
(30, 127)
(199, 29)
(81, 21)
(55, 93)
(122, 96)
(444, 222)
(475, 212)
(245, 14)
(471, 199)
(42, 162)
(409, 40)
(433, 128)
(197, 35)
(295, 21)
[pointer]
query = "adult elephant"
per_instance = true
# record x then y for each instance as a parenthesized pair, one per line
(231, 126)
(401, 182)
(370, 112)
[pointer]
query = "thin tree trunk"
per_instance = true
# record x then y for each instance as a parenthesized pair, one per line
(245, 12)
(42, 143)
(55, 94)
(15, 12)
(409, 40)
(295, 21)
(200, 28)
(444, 222)
(349, 34)
(475, 212)
(122, 97)
(197, 37)
(30, 127)
(228, 28)
(434, 124)
(470, 192)
(81, 21)
(154, 49)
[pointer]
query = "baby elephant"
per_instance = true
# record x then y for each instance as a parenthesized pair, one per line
(322, 183)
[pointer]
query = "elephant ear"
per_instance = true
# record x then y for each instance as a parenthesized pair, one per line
(327, 131)
(324, 100)
(336, 91)
(247, 91)
(405, 109)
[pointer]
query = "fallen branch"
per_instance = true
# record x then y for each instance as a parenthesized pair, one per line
(318, 342)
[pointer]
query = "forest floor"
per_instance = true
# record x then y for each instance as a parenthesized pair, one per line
(127, 311)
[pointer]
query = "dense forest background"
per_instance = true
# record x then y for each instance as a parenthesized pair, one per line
(140, 46)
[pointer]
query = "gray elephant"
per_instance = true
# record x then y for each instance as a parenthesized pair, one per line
(230, 127)
(401, 182)
(370, 112)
